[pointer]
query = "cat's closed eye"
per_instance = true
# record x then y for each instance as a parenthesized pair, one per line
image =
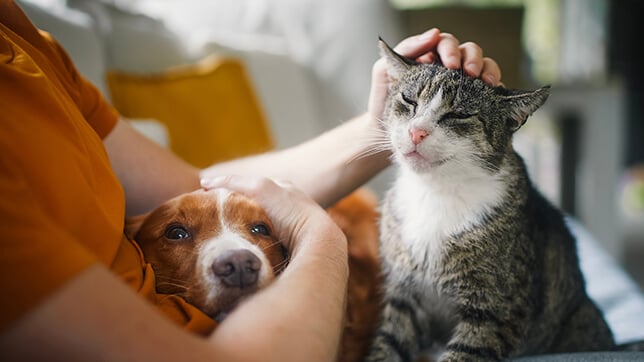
(409, 100)
(459, 121)
(456, 117)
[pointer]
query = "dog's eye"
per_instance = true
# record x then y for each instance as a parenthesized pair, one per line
(260, 229)
(176, 233)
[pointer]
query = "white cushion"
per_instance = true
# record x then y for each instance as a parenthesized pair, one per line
(75, 31)
(133, 42)
(616, 294)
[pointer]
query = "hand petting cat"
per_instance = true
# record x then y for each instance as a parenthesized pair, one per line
(426, 48)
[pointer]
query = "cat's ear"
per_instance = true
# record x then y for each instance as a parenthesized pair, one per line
(521, 104)
(396, 63)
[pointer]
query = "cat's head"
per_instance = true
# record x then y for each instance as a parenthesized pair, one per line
(437, 118)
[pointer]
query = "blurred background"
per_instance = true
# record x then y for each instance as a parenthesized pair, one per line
(307, 66)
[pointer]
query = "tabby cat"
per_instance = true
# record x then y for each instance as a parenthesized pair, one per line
(475, 260)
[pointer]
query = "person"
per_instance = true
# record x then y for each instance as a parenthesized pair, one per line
(75, 288)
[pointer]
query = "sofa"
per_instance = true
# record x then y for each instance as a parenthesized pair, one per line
(305, 66)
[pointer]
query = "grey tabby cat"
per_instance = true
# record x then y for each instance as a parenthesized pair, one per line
(474, 257)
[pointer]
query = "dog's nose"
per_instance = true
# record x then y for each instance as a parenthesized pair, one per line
(237, 268)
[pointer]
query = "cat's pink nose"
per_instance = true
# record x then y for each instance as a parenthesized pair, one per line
(418, 135)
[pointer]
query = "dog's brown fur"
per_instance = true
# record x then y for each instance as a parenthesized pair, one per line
(176, 264)
(357, 216)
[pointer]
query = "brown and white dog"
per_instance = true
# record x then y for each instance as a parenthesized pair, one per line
(215, 248)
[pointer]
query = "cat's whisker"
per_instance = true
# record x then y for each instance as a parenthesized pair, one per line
(368, 141)
(370, 144)
(487, 165)
(382, 123)
(373, 150)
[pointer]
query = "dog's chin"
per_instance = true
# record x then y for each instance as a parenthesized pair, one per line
(221, 313)
(220, 316)
(226, 304)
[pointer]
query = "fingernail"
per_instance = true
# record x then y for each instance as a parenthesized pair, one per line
(490, 79)
(473, 69)
(452, 62)
(205, 183)
(208, 182)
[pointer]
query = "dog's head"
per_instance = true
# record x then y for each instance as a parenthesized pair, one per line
(213, 248)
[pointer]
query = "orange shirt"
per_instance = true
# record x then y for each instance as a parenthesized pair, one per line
(61, 206)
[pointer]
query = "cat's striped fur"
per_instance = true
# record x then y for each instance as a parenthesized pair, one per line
(475, 259)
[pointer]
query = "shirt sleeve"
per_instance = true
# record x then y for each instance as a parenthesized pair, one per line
(91, 102)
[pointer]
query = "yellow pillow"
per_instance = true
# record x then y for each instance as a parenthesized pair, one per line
(209, 108)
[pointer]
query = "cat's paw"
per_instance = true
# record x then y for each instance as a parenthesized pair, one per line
(451, 356)
(381, 351)
(384, 356)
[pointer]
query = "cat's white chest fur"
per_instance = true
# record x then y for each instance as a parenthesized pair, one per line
(434, 207)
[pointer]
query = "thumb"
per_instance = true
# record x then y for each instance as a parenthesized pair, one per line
(379, 88)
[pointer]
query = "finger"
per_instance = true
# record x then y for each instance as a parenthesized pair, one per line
(472, 57)
(491, 72)
(448, 51)
(209, 183)
(248, 185)
(286, 184)
(417, 45)
(427, 58)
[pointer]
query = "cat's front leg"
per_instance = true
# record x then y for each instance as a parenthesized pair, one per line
(485, 339)
(401, 333)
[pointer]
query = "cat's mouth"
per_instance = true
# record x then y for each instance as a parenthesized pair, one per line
(419, 160)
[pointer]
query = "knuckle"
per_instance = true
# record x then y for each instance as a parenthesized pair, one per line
(379, 67)
(447, 35)
(450, 37)
(490, 62)
(265, 182)
(472, 46)
(491, 66)
(286, 184)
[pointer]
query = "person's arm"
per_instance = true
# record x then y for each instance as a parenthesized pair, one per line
(149, 173)
(330, 166)
(326, 167)
(298, 318)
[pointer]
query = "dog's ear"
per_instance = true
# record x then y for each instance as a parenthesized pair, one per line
(133, 224)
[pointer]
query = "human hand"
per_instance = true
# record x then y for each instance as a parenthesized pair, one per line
(428, 47)
(297, 219)
(312, 287)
